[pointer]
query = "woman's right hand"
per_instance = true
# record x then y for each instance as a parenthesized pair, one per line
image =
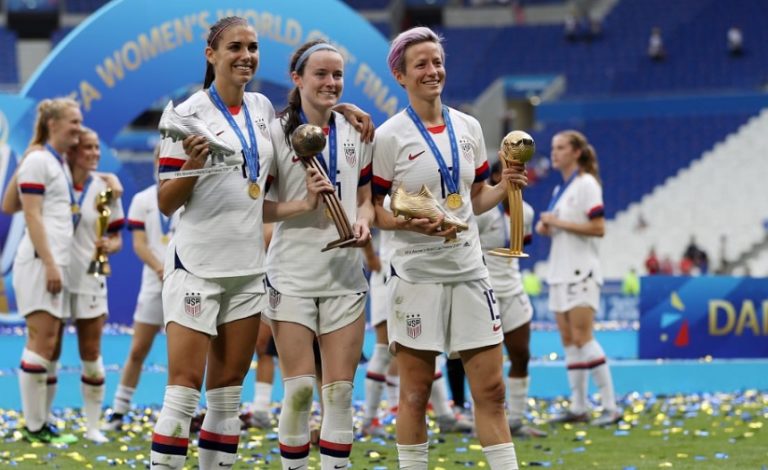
(543, 229)
(316, 184)
(52, 279)
(431, 228)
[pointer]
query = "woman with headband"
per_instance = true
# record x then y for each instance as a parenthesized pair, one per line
(439, 290)
(214, 285)
(313, 293)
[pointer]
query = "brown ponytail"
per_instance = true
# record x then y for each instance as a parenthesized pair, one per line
(587, 155)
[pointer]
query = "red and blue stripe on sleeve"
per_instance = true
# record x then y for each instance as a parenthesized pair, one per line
(381, 186)
(32, 188)
(482, 172)
(116, 225)
(170, 164)
(135, 225)
(596, 212)
(365, 175)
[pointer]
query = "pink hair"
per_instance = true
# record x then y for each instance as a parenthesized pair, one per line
(406, 39)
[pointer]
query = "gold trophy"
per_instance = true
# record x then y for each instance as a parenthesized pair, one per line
(100, 263)
(422, 205)
(307, 141)
(517, 146)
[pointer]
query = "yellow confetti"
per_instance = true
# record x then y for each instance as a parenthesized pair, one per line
(682, 456)
(755, 425)
(475, 447)
(29, 456)
(139, 456)
(374, 455)
(665, 464)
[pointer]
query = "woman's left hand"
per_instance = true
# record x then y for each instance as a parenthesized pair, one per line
(104, 244)
(362, 233)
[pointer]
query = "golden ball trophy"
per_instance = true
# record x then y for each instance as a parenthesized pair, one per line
(100, 263)
(307, 141)
(517, 146)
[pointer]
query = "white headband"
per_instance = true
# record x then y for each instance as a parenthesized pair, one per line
(323, 46)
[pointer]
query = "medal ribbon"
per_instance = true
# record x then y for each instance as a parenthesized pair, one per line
(451, 180)
(165, 224)
(559, 190)
(331, 167)
(73, 203)
(250, 152)
(76, 217)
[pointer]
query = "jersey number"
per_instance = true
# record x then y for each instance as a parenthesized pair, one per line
(491, 299)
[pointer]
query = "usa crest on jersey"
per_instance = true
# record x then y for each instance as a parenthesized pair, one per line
(466, 150)
(274, 298)
(350, 153)
(193, 304)
(413, 325)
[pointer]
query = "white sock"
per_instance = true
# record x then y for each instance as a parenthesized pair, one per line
(293, 424)
(413, 457)
(594, 356)
(33, 378)
(92, 386)
(336, 433)
(518, 393)
(375, 379)
(439, 394)
(171, 436)
(122, 402)
(393, 390)
(220, 431)
(262, 397)
(577, 378)
(501, 456)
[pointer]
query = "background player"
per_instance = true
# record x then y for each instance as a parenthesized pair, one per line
(575, 221)
(514, 306)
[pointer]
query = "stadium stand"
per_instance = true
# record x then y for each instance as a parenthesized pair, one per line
(9, 73)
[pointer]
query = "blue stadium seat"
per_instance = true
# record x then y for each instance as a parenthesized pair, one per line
(9, 72)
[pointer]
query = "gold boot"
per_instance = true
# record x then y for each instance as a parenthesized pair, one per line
(422, 205)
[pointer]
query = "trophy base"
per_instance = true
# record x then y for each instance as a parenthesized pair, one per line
(341, 243)
(507, 253)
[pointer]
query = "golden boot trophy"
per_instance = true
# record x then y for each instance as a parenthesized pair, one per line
(307, 141)
(422, 205)
(100, 263)
(517, 146)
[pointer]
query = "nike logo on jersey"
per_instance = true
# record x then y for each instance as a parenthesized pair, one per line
(159, 464)
(295, 468)
(227, 465)
(496, 328)
(339, 466)
(412, 156)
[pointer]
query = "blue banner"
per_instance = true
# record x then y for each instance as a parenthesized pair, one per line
(130, 53)
(694, 317)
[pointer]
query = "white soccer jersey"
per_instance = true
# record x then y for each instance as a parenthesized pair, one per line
(80, 282)
(296, 266)
(43, 173)
(494, 233)
(403, 158)
(574, 257)
(220, 233)
(143, 214)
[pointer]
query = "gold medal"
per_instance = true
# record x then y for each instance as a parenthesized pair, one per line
(454, 201)
(254, 190)
(165, 239)
(75, 208)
